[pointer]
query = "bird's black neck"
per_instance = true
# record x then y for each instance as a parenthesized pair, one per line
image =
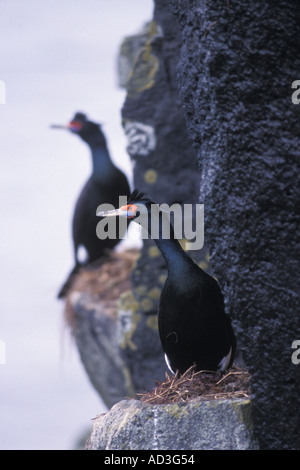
(102, 166)
(175, 257)
(177, 260)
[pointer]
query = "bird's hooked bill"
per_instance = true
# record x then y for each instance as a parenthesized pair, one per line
(59, 126)
(71, 126)
(124, 211)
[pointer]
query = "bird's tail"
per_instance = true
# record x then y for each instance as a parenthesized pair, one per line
(68, 283)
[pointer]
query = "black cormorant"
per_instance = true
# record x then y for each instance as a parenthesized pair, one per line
(193, 326)
(105, 185)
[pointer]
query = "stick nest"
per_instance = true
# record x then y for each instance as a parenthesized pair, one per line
(103, 281)
(107, 278)
(203, 385)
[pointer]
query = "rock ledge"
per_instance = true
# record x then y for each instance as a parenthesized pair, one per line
(193, 425)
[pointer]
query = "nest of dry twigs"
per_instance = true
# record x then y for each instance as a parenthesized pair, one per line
(103, 281)
(204, 385)
(107, 279)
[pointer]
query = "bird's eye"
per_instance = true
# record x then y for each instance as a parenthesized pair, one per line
(130, 209)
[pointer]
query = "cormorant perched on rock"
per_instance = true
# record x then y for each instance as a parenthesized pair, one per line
(105, 185)
(193, 326)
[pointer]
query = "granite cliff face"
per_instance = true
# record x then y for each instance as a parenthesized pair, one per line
(237, 64)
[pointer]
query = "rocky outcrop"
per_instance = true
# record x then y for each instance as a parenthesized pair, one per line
(209, 119)
(194, 425)
(237, 64)
(118, 338)
(112, 337)
(163, 159)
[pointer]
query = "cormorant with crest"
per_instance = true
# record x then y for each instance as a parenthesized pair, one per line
(193, 326)
(105, 185)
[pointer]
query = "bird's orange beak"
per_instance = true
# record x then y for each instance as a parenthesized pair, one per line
(129, 211)
(74, 126)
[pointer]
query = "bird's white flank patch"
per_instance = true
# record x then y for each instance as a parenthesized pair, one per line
(168, 364)
(82, 254)
(225, 361)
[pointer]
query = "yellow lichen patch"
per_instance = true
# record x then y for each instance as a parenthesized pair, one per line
(154, 293)
(128, 319)
(146, 305)
(162, 278)
(150, 176)
(177, 411)
(141, 290)
(128, 382)
(142, 76)
(244, 413)
(153, 251)
(183, 243)
(128, 302)
(152, 322)
(203, 265)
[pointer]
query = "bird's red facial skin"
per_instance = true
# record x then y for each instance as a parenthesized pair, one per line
(75, 126)
(132, 208)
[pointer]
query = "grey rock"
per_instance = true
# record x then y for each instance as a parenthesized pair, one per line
(237, 63)
(164, 163)
(96, 339)
(118, 346)
(129, 52)
(194, 425)
(121, 351)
